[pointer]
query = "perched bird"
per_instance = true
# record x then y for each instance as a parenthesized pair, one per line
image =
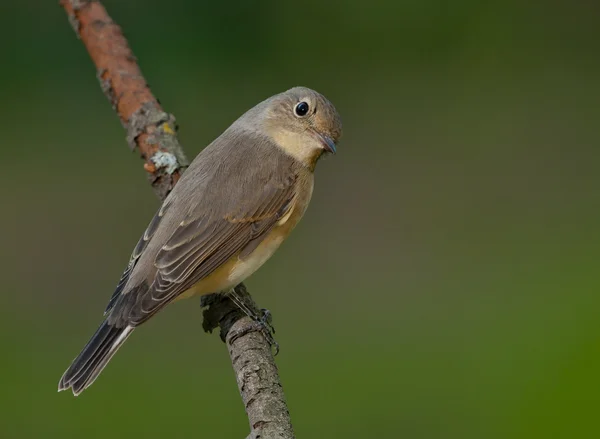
(236, 203)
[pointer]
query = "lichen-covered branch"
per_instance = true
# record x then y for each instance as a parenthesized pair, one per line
(152, 132)
(149, 128)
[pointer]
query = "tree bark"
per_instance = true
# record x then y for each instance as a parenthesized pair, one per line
(153, 133)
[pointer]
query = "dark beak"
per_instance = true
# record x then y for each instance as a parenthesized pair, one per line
(328, 143)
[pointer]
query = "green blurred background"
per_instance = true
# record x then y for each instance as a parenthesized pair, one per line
(444, 283)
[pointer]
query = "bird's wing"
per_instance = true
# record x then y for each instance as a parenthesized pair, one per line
(218, 227)
(135, 256)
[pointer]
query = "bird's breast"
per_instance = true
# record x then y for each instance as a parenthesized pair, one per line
(245, 267)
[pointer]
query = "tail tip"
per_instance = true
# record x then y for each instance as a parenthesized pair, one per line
(91, 361)
(74, 387)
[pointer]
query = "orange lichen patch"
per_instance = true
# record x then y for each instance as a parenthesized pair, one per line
(147, 149)
(149, 167)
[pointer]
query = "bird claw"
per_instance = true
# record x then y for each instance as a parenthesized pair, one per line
(265, 321)
(260, 324)
(262, 321)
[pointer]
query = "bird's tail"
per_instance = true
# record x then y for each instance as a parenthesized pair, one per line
(94, 357)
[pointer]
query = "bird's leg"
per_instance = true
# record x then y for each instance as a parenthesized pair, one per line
(241, 304)
(264, 320)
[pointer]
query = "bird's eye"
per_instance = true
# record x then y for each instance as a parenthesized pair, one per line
(301, 109)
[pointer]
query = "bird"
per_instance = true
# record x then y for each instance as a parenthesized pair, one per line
(232, 208)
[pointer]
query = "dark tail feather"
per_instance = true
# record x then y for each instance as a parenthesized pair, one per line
(93, 358)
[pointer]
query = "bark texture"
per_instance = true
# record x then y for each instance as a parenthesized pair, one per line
(153, 133)
(253, 363)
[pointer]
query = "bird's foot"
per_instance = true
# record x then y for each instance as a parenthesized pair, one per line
(263, 320)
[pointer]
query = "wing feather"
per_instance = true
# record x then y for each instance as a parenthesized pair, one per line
(135, 255)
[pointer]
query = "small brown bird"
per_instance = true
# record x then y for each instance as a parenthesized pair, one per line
(236, 203)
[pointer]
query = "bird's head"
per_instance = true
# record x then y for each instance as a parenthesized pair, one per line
(303, 123)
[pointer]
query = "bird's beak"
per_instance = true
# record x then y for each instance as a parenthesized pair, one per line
(328, 143)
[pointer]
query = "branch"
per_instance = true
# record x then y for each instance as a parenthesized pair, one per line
(253, 363)
(152, 132)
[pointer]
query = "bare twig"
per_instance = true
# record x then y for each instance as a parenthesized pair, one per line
(153, 132)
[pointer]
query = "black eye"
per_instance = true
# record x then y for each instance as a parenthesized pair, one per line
(302, 109)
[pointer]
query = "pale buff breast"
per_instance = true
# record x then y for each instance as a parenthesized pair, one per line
(236, 270)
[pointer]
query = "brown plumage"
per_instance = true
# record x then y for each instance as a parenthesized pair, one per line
(235, 204)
